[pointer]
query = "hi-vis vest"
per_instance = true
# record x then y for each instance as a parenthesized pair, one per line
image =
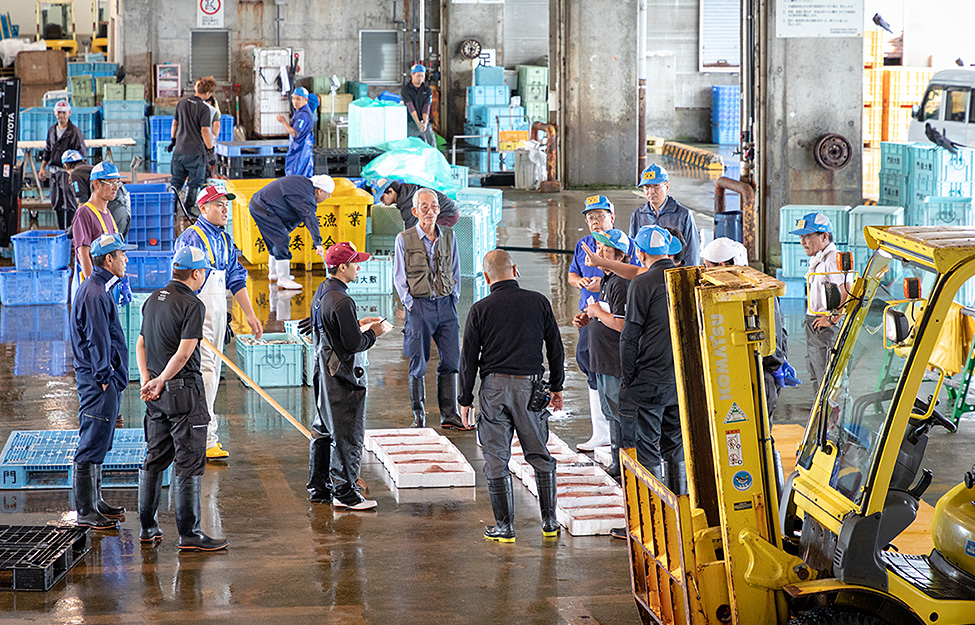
(206, 243)
(420, 276)
(101, 220)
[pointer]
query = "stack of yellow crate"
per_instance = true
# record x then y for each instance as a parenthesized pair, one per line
(873, 97)
(903, 87)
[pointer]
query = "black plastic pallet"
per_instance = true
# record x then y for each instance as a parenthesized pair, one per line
(237, 167)
(35, 557)
(347, 162)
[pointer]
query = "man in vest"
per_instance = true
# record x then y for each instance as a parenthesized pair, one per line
(426, 272)
(224, 274)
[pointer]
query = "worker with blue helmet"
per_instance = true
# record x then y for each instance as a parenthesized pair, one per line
(661, 209)
(101, 366)
(418, 99)
(301, 136)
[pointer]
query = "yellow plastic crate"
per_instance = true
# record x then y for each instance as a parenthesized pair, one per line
(896, 121)
(873, 48)
(342, 217)
(904, 86)
(873, 87)
(872, 125)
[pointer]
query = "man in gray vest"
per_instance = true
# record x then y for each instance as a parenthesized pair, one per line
(426, 272)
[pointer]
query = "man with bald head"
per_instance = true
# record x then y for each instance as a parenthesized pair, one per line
(503, 338)
(426, 273)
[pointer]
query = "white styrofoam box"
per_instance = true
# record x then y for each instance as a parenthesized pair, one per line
(425, 460)
(603, 455)
(373, 436)
(591, 521)
(862, 216)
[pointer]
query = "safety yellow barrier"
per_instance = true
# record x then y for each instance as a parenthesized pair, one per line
(342, 217)
(693, 156)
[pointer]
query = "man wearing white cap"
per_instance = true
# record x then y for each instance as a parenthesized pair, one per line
(649, 390)
(225, 273)
(418, 99)
(301, 136)
(61, 137)
(282, 206)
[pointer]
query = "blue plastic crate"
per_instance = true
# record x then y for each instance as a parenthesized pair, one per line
(489, 76)
(79, 69)
(271, 365)
(381, 245)
(896, 158)
(152, 216)
(36, 121)
(725, 99)
(375, 305)
(251, 148)
(488, 95)
(162, 157)
(795, 288)
(795, 263)
(492, 197)
(477, 160)
(125, 129)
(838, 216)
(52, 358)
(226, 128)
(123, 109)
(375, 277)
(471, 232)
(122, 156)
(948, 211)
(41, 250)
(893, 189)
(727, 134)
(34, 323)
(130, 317)
(161, 129)
(490, 115)
(459, 174)
(43, 459)
(481, 142)
(108, 69)
(925, 186)
(939, 165)
(148, 270)
(27, 288)
(863, 216)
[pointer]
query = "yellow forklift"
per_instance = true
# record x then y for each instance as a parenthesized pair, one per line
(99, 32)
(55, 25)
(745, 546)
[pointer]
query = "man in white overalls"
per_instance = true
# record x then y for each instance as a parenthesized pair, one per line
(225, 274)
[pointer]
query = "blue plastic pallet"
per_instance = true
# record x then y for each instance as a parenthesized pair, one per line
(250, 148)
(36, 459)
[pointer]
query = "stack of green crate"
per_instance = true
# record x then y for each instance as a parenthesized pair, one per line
(533, 89)
(82, 91)
(386, 222)
(100, 83)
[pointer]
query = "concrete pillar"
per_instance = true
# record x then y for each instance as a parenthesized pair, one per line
(599, 107)
(810, 87)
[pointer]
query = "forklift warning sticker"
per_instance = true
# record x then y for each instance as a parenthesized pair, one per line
(735, 414)
(733, 438)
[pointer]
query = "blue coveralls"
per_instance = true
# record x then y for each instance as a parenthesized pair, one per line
(282, 206)
(100, 357)
(428, 317)
(672, 215)
(300, 161)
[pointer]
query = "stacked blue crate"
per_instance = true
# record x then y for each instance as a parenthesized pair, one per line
(795, 263)
(152, 227)
(125, 119)
(488, 112)
(725, 114)
(36, 121)
(160, 130)
(41, 275)
(473, 231)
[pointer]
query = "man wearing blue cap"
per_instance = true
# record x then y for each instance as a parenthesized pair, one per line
(101, 365)
(600, 216)
(120, 206)
(663, 210)
(168, 353)
(418, 98)
(816, 234)
(649, 388)
(301, 136)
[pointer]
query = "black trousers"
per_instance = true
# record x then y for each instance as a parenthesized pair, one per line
(658, 433)
(176, 429)
(341, 417)
(503, 401)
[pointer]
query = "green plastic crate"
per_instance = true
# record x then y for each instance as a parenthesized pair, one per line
(114, 92)
(135, 92)
(531, 75)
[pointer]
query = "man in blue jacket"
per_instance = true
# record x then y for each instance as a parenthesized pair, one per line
(663, 210)
(101, 364)
(279, 208)
(301, 136)
(225, 273)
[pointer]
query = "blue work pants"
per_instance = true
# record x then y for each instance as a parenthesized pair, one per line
(432, 318)
(276, 235)
(97, 412)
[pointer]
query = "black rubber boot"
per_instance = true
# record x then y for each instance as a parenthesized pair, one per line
(503, 504)
(110, 511)
(678, 477)
(150, 492)
(660, 472)
(319, 482)
(615, 436)
(186, 498)
(546, 502)
(83, 489)
(447, 401)
(417, 397)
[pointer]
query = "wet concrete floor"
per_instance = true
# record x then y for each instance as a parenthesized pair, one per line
(420, 557)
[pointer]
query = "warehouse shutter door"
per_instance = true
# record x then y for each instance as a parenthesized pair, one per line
(525, 31)
(720, 36)
(210, 54)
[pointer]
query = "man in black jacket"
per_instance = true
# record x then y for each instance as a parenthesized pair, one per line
(340, 339)
(61, 137)
(649, 389)
(418, 99)
(401, 194)
(503, 338)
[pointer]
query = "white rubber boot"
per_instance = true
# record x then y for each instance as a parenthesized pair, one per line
(285, 280)
(272, 269)
(600, 426)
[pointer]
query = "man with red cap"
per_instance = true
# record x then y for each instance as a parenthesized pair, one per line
(340, 340)
(225, 273)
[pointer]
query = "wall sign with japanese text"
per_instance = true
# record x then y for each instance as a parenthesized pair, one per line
(819, 18)
(209, 14)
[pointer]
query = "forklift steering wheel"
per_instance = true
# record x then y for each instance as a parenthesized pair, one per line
(936, 417)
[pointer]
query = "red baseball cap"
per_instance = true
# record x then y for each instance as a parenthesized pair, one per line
(344, 252)
(213, 193)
